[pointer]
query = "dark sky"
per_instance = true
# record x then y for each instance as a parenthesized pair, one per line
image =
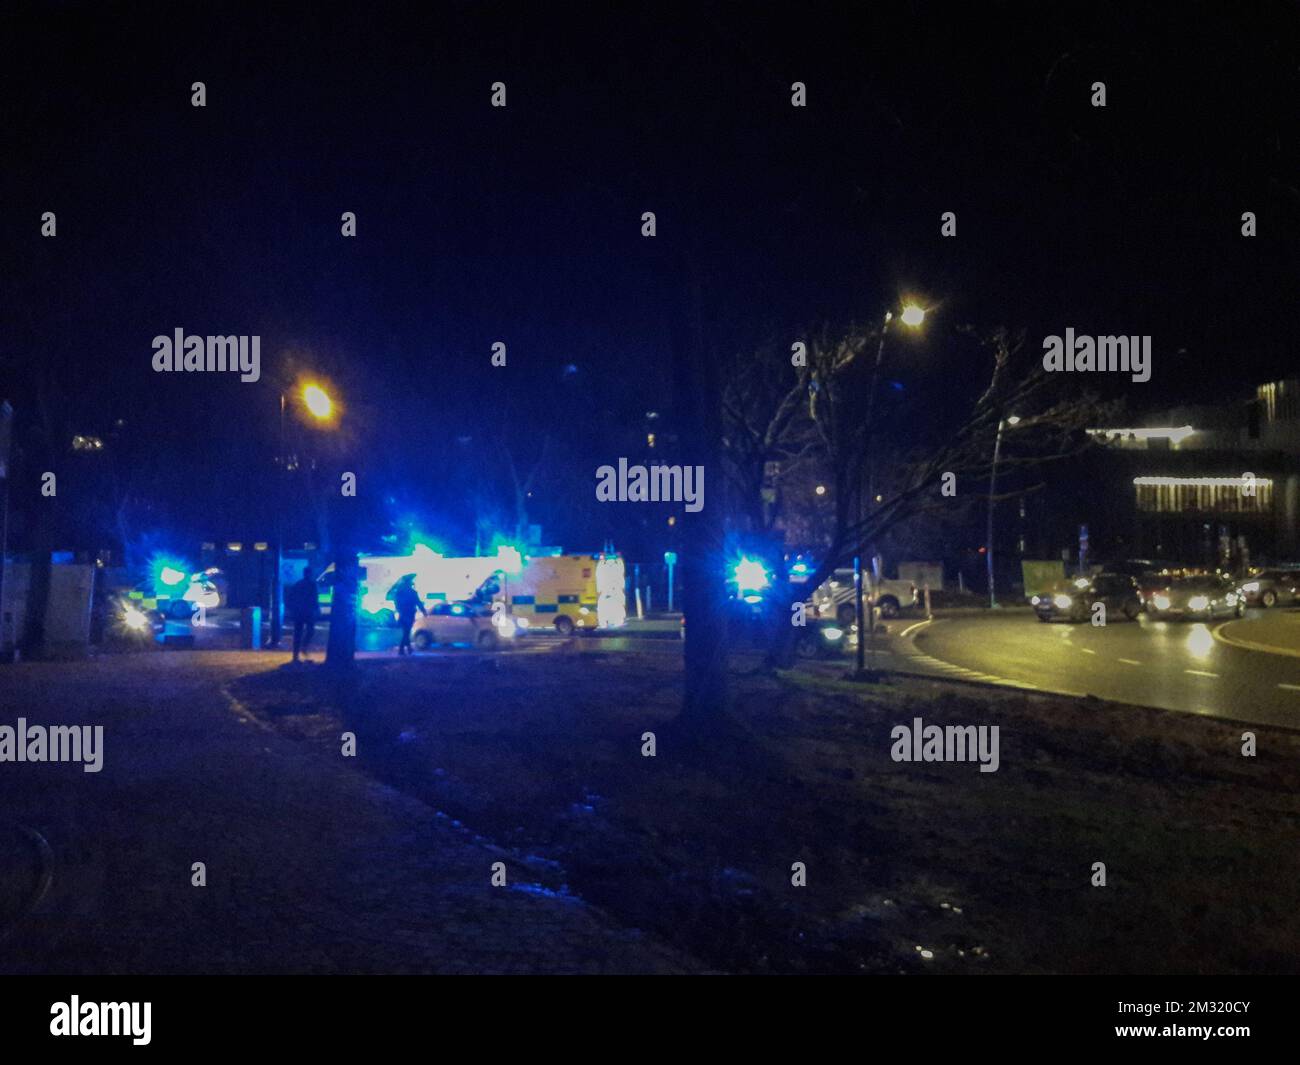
(522, 225)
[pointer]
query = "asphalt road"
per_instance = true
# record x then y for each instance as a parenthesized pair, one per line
(1172, 665)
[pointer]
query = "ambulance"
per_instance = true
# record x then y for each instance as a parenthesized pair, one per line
(563, 592)
(438, 579)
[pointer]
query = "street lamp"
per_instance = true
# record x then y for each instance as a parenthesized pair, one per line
(912, 315)
(317, 401)
(1013, 420)
(318, 404)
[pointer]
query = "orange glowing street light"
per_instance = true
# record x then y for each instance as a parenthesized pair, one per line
(317, 401)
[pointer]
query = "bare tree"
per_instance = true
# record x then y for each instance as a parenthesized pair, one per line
(523, 482)
(884, 464)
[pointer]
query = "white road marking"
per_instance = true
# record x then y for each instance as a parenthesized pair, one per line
(1130, 661)
(1200, 673)
(1086, 651)
(1290, 687)
(913, 628)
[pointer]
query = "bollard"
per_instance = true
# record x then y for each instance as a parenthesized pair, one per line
(250, 628)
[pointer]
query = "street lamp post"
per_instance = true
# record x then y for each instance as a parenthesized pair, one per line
(319, 405)
(276, 621)
(913, 315)
(993, 481)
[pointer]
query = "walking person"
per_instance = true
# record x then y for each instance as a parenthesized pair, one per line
(300, 602)
(407, 601)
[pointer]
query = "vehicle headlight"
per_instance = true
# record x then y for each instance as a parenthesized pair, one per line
(1232, 598)
(832, 633)
(1250, 586)
(1062, 601)
(1161, 602)
(135, 619)
(522, 622)
(1198, 602)
(1034, 600)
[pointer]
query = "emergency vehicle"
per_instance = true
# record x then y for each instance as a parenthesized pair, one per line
(438, 579)
(172, 593)
(566, 592)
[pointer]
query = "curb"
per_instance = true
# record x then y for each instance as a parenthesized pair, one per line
(1250, 645)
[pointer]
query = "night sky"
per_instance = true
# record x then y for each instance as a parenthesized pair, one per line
(522, 224)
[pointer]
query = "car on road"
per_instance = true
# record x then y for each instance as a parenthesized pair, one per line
(748, 630)
(820, 639)
(1152, 575)
(467, 624)
(834, 600)
(1073, 600)
(1196, 598)
(1271, 587)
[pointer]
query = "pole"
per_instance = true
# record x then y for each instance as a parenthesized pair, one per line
(867, 625)
(857, 609)
(279, 537)
(871, 407)
(988, 539)
(6, 429)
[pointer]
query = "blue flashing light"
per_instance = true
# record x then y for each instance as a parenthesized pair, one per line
(166, 570)
(751, 575)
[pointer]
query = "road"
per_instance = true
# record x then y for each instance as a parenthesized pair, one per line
(1171, 665)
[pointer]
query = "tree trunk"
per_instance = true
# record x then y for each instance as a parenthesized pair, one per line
(698, 401)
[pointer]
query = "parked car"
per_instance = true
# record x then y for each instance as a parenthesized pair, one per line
(178, 600)
(746, 630)
(468, 624)
(1271, 587)
(835, 598)
(820, 639)
(1073, 600)
(1196, 598)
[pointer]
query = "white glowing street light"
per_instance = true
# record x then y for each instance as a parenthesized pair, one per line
(913, 315)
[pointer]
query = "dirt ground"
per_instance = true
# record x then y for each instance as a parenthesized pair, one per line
(910, 867)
